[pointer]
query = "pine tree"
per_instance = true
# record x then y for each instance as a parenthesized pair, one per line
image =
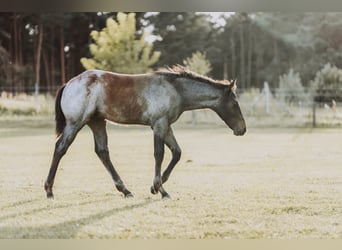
(116, 47)
(198, 63)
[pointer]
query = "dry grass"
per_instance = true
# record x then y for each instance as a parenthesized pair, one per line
(27, 105)
(267, 184)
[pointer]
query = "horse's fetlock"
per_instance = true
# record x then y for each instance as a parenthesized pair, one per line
(157, 183)
(120, 186)
(48, 189)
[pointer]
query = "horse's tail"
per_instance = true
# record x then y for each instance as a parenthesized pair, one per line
(59, 116)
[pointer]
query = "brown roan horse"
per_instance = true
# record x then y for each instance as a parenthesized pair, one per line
(155, 99)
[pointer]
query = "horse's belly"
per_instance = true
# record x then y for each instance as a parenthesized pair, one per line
(127, 114)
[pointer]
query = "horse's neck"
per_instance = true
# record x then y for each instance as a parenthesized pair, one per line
(197, 95)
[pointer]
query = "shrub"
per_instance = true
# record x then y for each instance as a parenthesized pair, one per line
(327, 84)
(290, 88)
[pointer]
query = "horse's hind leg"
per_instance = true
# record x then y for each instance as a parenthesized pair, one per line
(61, 147)
(98, 126)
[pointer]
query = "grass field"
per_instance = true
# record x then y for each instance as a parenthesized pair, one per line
(271, 183)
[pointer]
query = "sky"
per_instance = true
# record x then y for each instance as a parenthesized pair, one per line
(216, 17)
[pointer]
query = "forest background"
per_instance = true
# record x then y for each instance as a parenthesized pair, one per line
(46, 48)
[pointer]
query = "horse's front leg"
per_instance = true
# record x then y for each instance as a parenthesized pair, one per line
(98, 126)
(159, 132)
(172, 144)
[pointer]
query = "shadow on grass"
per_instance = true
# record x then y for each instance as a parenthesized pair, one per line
(66, 229)
(41, 209)
(18, 203)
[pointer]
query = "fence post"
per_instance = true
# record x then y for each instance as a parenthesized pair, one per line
(314, 114)
(267, 97)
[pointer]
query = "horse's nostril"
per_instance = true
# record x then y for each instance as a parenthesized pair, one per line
(240, 131)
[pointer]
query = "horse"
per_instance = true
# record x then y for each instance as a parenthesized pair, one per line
(154, 99)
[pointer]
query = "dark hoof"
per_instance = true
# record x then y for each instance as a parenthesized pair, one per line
(153, 191)
(166, 196)
(49, 195)
(129, 195)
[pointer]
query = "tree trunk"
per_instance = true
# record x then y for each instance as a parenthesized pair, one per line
(249, 57)
(47, 71)
(11, 73)
(276, 61)
(39, 49)
(15, 59)
(225, 67)
(258, 63)
(242, 58)
(15, 38)
(62, 57)
(20, 58)
(52, 60)
(232, 45)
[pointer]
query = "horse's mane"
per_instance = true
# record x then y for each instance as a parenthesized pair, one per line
(181, 71)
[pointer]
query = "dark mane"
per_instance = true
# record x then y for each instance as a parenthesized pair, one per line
(181, 71)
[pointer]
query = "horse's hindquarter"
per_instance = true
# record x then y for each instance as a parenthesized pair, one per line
(79, 99)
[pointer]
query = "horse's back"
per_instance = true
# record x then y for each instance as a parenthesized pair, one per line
(121, 98)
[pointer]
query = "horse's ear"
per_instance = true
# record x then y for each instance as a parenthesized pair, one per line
(232, 85)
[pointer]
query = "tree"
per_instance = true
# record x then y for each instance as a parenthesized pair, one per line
(327, 84)
(290, 88)
(198, 63)
(117, 48)
(182, 33)
(306, 41)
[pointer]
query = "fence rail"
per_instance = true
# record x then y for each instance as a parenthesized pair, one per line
(261, 107)
(30, 90)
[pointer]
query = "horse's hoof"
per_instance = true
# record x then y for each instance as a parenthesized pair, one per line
(166, 196)
(129, 195)
(153, 191)
(49, 195)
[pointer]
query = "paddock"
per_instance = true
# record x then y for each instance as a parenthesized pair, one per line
(272, 183)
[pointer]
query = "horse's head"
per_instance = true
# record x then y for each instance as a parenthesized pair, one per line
(229, 109)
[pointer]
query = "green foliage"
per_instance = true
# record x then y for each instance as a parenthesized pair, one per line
(329, 77)
(4, 66)
(198, 63)
(308, 40)
(252, 47)
(290, 88)
(182, 33)
(116, 47)
(327, 84)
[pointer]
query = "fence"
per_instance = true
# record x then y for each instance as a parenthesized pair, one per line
(276, 107)
(264, 107)
(285, 108)
(29, 90)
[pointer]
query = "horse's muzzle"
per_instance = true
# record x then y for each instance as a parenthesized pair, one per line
(240, 132)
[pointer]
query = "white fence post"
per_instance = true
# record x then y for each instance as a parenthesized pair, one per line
(267, 97)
